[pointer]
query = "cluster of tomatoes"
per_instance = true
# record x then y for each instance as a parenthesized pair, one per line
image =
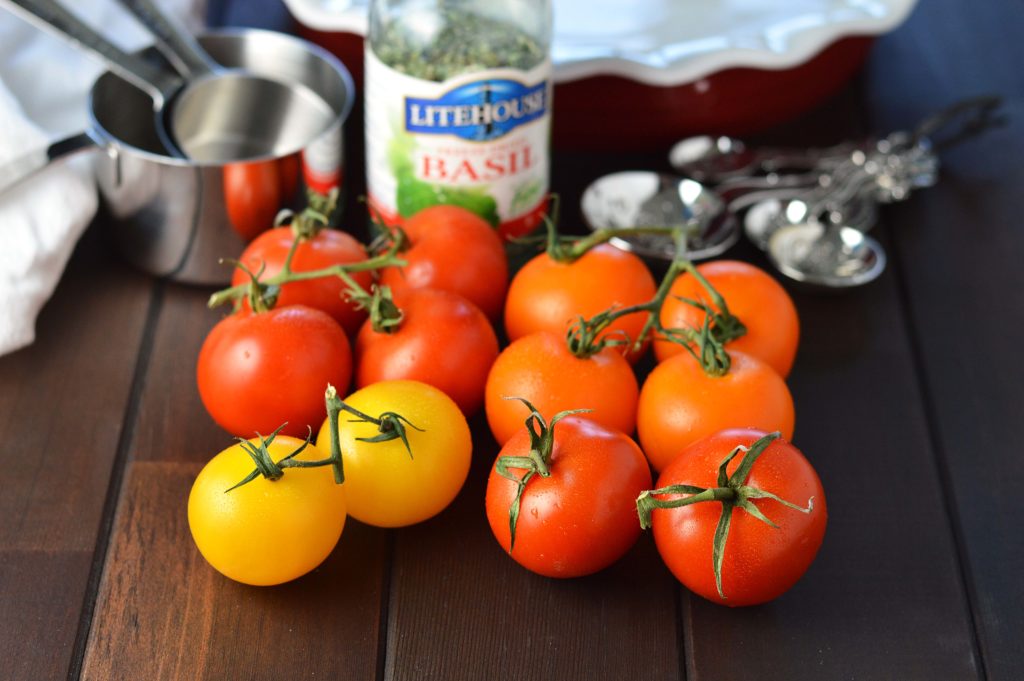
(562, 399)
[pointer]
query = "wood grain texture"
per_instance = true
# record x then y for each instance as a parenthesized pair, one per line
(62, 401)
(959, 246)
(173, 424)
(162, 612)
(460, 608)
(884, 599)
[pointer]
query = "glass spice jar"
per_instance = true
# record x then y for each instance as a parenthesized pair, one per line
(458, 108)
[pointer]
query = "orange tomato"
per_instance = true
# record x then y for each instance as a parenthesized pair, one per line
(547, 295)
(680, 404)
(541, 369)
(753, 296)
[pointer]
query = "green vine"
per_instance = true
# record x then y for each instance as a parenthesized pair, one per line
(390, 426)
(305, 226)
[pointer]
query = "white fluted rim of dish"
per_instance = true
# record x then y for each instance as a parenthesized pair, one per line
(672, 42)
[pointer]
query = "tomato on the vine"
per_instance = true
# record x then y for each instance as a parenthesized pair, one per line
(548, 295)
(327, 248)
(442, 339)
(453, 249)
(680, 403)
(391, 483)
(757, 562)
(577, 483)
(259, 370)
(752, 296)
(265, 532)
(541, 369)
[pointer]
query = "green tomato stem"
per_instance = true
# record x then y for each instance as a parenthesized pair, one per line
(286, 276)
(537, 462)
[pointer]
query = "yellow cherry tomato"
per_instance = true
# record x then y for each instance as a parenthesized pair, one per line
(384, 485)
(266, 532)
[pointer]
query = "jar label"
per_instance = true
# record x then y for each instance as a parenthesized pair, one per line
(479, 140)
(321, 161)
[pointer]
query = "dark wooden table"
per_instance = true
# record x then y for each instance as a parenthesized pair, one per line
(910, 402)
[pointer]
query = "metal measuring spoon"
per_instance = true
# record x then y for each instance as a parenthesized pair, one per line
(719, 159)
(768, 215)
(230, 114)
(633, 199)
(826, 255)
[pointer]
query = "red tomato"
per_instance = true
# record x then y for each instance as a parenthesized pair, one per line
(582, 517)
(680, 404)
(257, 371)
(327, 248)
(455, 250)
(541, 369)
(760, 562)
(252, 196)
(443, 340)
(753, 296)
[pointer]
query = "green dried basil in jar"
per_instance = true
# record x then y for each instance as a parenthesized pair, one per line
(458, 109)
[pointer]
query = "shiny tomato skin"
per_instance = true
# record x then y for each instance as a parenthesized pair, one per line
(753, 296)
(546, 295)
(264, 532)
(453, 249)
(540, 368)
(580, 519)
(761, 563)
(384, 485)
(257, 371)
(443, 340)
(680, 404)
(328, 248)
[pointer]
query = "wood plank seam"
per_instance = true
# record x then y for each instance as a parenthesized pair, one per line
(939, 456)
(118, 467)
(685, 646)
(385, 607)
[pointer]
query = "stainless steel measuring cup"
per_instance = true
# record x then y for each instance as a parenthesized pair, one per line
(196, 117)
(175, 217)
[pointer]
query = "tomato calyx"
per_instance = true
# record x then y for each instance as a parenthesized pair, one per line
(725, 326)
(274, 470)
(315, 217)
(390, 426)
(537, 462)
(732, 492)
(385, 315)
(261, 297)
(584, 337)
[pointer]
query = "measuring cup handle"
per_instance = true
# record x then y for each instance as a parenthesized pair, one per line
(28, 164)
(51, 15)
(174, 42)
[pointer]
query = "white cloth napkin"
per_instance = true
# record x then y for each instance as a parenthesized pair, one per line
(44, 83)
